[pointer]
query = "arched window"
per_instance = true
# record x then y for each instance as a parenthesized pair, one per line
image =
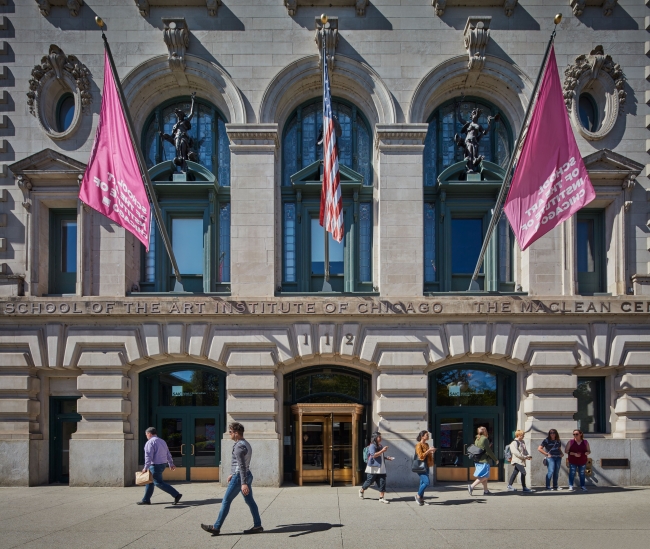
(303, 238)
(208, 133)
(458, 205)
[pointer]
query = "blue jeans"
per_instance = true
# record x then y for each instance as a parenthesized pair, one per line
(554, 464)
(581, 474)
(234, 488)
(424, 482)
(157, 472)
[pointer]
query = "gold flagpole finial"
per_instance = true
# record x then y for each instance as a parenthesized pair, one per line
(323, 18)
(557, 19)
(99, 21)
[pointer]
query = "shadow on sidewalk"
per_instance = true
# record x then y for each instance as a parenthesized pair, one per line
(185, 504)
(296, 529)
(459, 501)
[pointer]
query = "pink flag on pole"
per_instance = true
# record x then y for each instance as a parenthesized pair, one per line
(550, 182)
(113, 184)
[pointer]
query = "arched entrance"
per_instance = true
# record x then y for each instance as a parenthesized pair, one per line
(186, 404)
(327, 417)
(461, 399)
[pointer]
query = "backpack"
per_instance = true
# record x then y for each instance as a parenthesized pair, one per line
(507, 453)
(475, 453)
(365, 454)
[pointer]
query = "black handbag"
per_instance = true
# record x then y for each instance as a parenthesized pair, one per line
(418, 465)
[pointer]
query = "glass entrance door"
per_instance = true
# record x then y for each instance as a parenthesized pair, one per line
(342, 449)
(315, 458)
(63, 423)
(193, 443)
(454, 433)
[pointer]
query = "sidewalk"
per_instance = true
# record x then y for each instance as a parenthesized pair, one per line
(323, 517)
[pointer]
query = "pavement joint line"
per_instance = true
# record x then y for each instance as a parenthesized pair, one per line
(338, 501)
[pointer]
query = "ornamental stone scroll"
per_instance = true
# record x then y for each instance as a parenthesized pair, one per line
(57, 75)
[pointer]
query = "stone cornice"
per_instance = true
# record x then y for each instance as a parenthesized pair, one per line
(401, 137)
(252, 137)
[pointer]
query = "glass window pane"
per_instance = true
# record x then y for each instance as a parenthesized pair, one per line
(68, 246)
(66, 112)
(223, 175)
(224, 243)
(312, 120)
(188, 388)
(364, 166)
(588, 112)
(67, 430)
(318, 251)
(290, 242)
(466, 388)
(431, 154)
(290, 151)
(150, 256)
(588, 395)
(451, 444)
(341, 445)
(586, 260)
(430, 270)
(312, 446)
(506, 239)
(172, 434)
(466, 242)
(333, 383)
(205, 433)
(365, 241)
(69, 406)
(187, 243)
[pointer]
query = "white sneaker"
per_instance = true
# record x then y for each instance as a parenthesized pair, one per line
(361, 494)
(511, 489)
(571, 489)
(383, 500)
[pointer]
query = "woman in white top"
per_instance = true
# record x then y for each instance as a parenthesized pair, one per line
(519, 458)
(376, 469)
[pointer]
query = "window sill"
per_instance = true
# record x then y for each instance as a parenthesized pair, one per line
(185, 294)
(326, 294)
(474, 294)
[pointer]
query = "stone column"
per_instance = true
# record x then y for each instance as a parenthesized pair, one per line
(401, 206)
(21, 442)
(252, 203)
(401, 409)
(102, 451)
(632, 385)
(549, 404)
(252, 389)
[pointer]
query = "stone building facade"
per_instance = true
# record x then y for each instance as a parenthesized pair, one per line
(97, 342)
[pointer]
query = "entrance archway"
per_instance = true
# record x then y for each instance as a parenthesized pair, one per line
(186, 404)
(327, 419)
(461, 399)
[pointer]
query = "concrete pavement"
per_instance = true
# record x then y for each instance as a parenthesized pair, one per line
(59, 517)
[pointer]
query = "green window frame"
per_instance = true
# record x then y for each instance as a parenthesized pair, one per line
(591, 414)
(62, 266)
(301, 202)
(590, 252)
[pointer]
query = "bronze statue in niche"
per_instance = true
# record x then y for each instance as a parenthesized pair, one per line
(181, 139)
(473, 133)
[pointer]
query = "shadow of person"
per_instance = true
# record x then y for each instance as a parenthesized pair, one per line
(297, 530)
(186, 504)
(459, 501)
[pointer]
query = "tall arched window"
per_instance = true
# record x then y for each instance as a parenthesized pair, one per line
(303, 238)
(458, 205)
(208, 132)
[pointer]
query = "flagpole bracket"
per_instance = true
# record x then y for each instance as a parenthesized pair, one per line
(329, 33)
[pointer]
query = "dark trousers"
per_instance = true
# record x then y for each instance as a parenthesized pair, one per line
(379, 480)
(518, 469)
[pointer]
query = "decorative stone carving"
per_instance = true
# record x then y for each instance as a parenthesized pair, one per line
(597, 74)
(441, 5)
(73, 6)
(578, 6)
(330, 33)
(25, 185)
(177, 38)
(145, 5)
(475, 37)
(56, 74)
(358, 5)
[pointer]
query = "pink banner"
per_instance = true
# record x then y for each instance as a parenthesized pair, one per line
(112, 184)
(550, 182)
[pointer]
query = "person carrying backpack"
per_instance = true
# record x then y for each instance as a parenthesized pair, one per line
(376, 469)
(425, 454)
(518, 457)
(482, 465)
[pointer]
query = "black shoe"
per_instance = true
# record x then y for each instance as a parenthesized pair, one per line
(210, 529)
(254, 530)
(143, 503)
(177, 499)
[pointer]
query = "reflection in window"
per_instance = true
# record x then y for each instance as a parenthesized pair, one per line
(588, 112)
(430, 270)
(318, 251)
(65, 112)
(224, 243)
(466, 243)
(506, 250)
(591, 400)
(466, 388)
(187, 243)
(68, 246)
(365, 242)
(338, 383)
(300, 138)
(290, 242)
(586, 243)
(189, 388)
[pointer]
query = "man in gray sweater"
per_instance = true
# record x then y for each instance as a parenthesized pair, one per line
(240, 479)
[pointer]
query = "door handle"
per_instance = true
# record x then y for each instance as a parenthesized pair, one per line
(192, 445)
(182, 454)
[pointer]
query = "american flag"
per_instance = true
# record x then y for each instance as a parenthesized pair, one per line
(331, 202)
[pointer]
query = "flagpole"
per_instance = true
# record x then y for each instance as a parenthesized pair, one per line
(144, 173)
(503, 192)
(326, 246)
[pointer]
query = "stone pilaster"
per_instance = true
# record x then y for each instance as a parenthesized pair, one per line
(101, 451)
(20, 439)
(252, 389)
(401, 238)
(252, 195)
(632, 407)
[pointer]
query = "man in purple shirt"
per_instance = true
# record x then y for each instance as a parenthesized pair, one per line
(156, 459)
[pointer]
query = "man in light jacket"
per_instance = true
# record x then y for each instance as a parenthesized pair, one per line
(156, 459)
(240, 479)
